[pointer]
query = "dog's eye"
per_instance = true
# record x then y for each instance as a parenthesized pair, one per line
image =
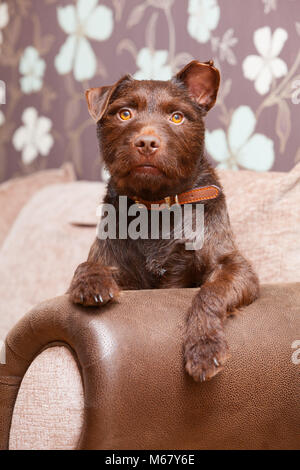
(125, 114)
(177, 118)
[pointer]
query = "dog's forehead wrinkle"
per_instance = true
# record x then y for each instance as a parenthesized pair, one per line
(151, 94)
(132, 101)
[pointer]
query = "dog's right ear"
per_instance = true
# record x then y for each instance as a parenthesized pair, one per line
(98, 98)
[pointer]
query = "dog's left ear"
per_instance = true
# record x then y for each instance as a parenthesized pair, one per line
(202, 80)
(98, 98)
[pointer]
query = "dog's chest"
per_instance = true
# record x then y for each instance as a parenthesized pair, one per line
(166, 260)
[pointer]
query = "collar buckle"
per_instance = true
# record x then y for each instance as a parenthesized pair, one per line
(170, 200)
(139, 203)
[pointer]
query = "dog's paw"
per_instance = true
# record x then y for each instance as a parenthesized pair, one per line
(93, 285)
(205, 355)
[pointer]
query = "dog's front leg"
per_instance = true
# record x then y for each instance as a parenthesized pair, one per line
(231, 284)
(93, 283)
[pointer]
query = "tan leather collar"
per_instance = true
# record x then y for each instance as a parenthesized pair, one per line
(194, 195)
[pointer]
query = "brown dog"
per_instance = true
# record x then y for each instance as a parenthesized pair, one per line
(151, 136)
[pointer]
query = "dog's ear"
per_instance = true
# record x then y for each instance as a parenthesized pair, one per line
(202, 80)
(98, 98)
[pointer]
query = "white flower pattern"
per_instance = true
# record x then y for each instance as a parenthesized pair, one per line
(204, 16)
(241, 147)
(152, 65)
(33, 69)
(33, 138)
(4, 18)
(86, 20)
(266, 66)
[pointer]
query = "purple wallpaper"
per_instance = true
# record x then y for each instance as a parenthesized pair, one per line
(52, 50)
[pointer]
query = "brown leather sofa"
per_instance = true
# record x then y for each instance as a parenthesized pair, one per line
(136, 393)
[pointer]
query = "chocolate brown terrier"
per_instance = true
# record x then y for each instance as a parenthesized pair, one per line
(151, 137)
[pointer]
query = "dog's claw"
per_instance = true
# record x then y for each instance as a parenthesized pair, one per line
(111, 295)
(216, 362)
(100, 298)
(96, 299)
(203, 377)
(81, 298)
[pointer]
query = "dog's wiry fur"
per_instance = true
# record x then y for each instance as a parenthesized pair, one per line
(225, 279)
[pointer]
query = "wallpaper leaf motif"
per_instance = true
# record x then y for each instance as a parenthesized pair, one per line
(225, 45)
(136, 15)
(52, 50)
(283, 123)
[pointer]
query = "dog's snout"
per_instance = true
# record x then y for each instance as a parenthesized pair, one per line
(147, 144)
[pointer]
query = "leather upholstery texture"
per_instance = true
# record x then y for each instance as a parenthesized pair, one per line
(136, 392)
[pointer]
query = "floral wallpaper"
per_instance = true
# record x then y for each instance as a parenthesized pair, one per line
(51, 51)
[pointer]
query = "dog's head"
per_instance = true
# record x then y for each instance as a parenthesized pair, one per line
(151, 133)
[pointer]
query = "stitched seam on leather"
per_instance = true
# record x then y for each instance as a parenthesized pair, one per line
(201, 189)
(201, 199)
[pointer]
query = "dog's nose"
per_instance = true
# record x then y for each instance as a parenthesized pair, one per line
(147, 144)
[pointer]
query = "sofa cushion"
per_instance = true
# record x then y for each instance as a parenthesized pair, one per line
(48, 413)
(16, 192)
(265, 217)
(43, 248)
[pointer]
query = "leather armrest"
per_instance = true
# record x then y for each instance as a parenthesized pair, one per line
(136, 393)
